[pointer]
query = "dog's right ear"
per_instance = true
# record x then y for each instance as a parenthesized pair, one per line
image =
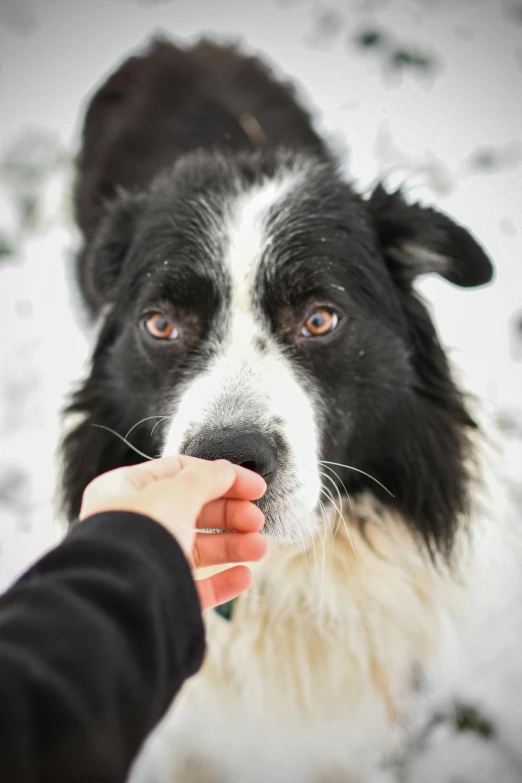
(101, 261)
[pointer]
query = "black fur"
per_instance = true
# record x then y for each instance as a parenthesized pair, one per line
(389, 405)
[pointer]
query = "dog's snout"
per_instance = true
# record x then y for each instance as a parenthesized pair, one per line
(250, 448)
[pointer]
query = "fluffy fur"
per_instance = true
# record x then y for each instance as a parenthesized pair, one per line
(206, 198)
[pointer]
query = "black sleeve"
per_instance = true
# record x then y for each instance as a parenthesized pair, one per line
(95, 641)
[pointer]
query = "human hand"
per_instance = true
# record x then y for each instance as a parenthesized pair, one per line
(187, 495)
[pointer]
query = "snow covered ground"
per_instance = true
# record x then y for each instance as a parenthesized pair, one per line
(423, 92)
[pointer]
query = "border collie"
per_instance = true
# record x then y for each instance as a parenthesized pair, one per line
(249, 304)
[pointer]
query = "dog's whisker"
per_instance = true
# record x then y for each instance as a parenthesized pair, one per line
(323, 560)
(334, 527)
(341, 517)
(163, 418)
(301, 541)
(324, 513)
(357, 470)
(315, 558)
(303, 548)
(353, 546)
(331, 500)
(328, 494)
(321, 598)
(327, 517)
(102, 427)
(342, 485)
(324, 475)
(341, 502)
(141, 422)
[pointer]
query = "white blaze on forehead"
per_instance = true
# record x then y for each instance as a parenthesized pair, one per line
(246, 236)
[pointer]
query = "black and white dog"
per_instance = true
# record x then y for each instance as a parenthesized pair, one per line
(250, 305)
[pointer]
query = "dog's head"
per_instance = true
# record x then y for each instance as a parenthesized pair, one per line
(262, 311)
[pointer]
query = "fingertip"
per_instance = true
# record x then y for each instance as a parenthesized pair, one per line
(262, 546)
(240, 578)
(250, 482)
(255, 547)
(259, 516)
(262, 489)
(263, 486)
(224, 586)
(248, 517)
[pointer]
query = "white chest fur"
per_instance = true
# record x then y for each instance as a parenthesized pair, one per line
(313, 680)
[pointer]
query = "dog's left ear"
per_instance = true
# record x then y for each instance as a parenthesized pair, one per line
(100, 262)
(418, 240)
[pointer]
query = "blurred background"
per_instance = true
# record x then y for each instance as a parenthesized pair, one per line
(422, 93)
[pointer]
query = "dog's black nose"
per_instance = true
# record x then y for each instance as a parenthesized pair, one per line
(249, 448)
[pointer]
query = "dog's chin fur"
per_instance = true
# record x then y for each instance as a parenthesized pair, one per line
(204, 194)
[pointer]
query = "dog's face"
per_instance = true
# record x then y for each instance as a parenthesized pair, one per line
(264, 313)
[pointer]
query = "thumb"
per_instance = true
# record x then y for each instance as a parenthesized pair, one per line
(145, 473)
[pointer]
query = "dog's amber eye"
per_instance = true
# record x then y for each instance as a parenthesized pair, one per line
(160, 327)
(320, 322)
